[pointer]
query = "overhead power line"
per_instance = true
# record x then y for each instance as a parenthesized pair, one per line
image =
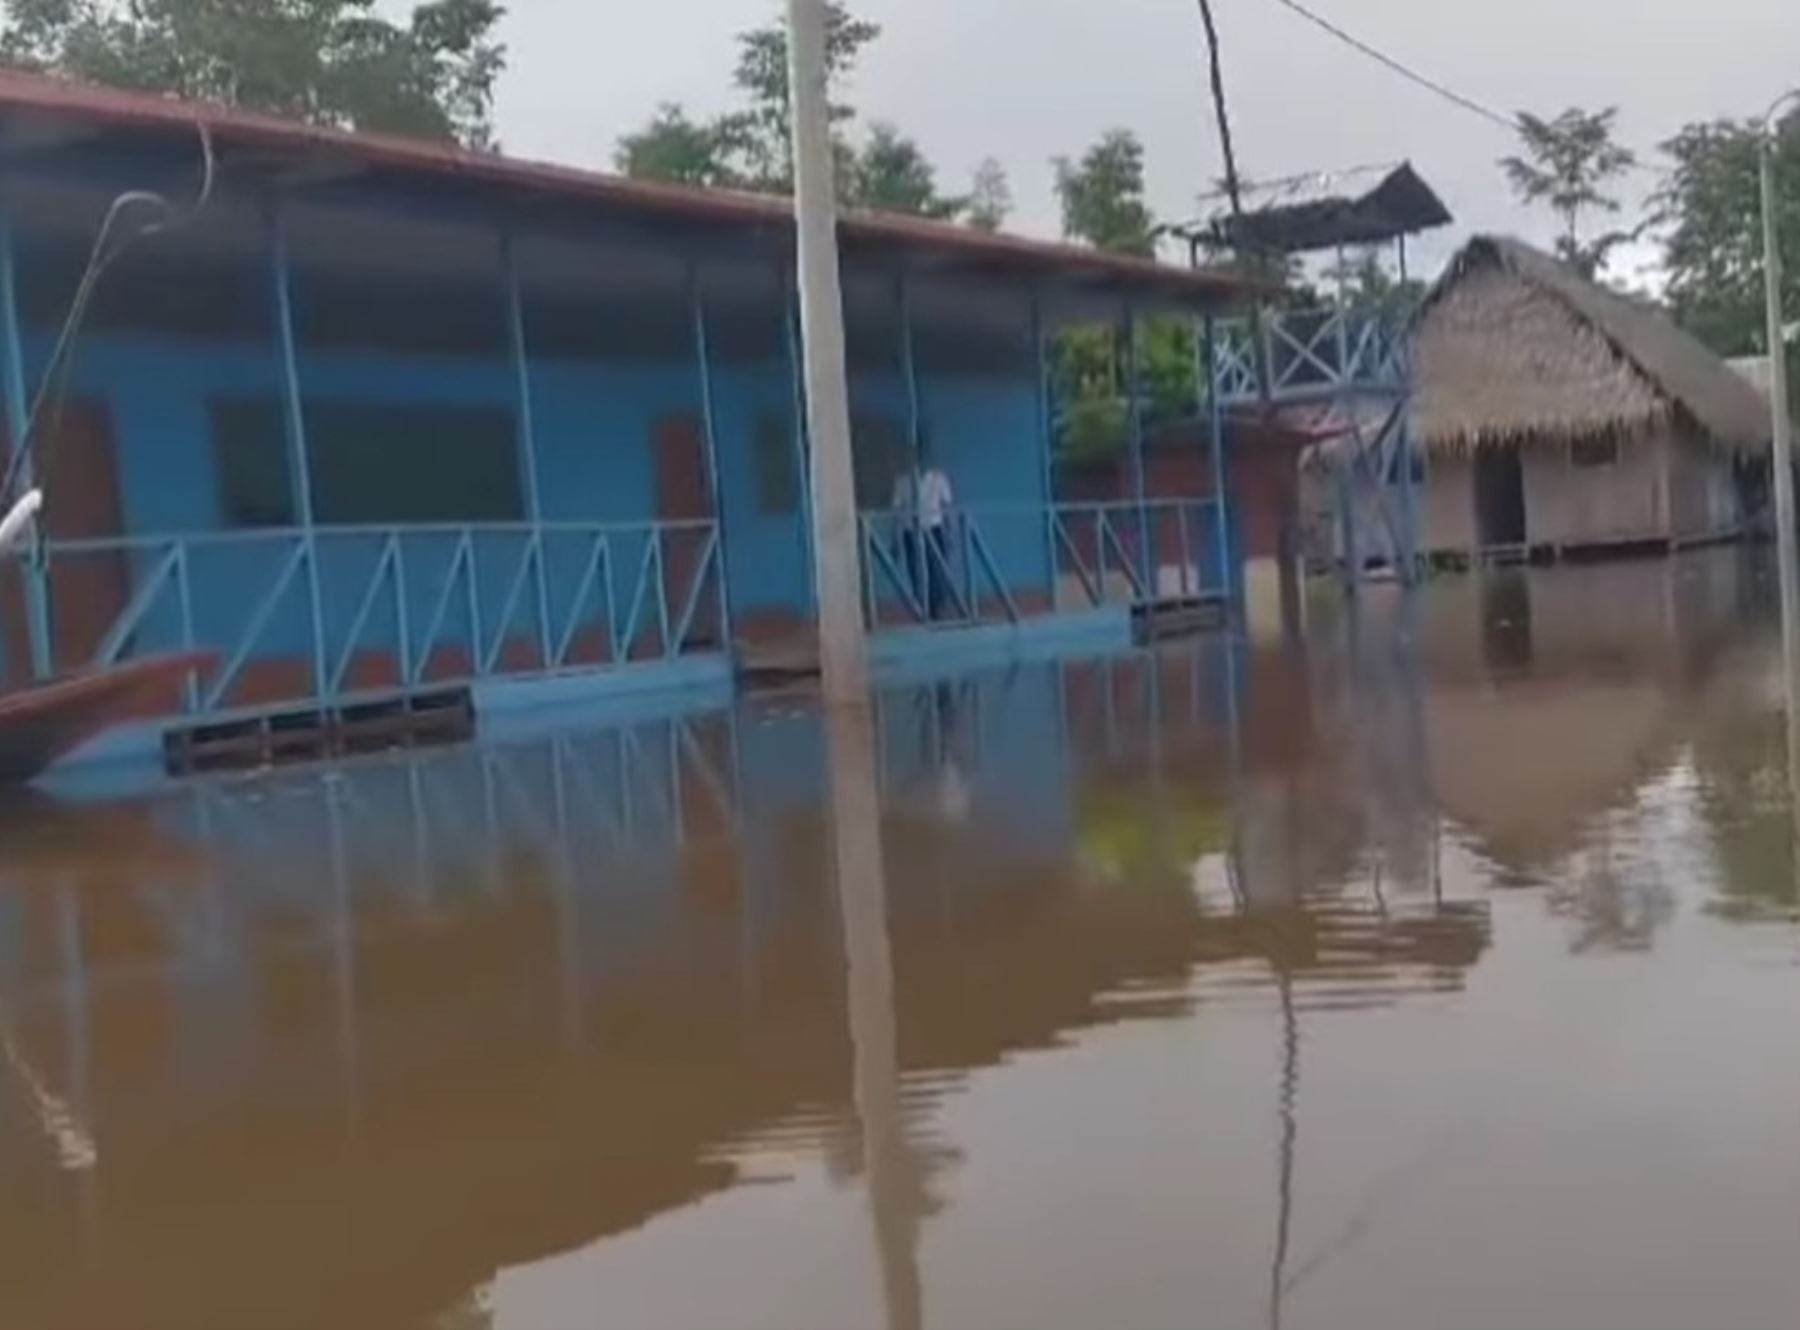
(1511, 123)
(1506, 122)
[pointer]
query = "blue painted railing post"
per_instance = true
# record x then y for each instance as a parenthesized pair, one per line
(1136, 405)
(1210, 384)
(1409, 494)
(709, 422)
(294, 430)
(909, 370)
(527, 434)
(1344, 490)
(790, 323)
(1046, 432)
(18, 414)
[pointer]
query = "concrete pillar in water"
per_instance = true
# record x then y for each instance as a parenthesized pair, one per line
(843, 650)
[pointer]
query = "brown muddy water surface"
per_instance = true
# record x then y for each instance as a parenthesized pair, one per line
(1441, 975)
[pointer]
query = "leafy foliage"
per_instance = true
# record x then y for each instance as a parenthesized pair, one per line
(1711, 211)
(990, 196)
(1103, 195)
(758, 140)
(891, 174)
(1567, 163)
(331, 62)
(674, 148)
(750, 148)
(1103, 204)
(1091, 370)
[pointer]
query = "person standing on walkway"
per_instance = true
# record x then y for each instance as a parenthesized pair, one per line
(923, 499)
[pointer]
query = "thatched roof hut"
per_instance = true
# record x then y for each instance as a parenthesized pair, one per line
(1513, 348)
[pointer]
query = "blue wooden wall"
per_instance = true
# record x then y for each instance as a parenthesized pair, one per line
(593, 425)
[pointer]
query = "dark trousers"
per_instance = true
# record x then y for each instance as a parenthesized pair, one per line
(927, 552)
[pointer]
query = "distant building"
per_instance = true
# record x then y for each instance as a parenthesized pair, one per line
(1555, 416)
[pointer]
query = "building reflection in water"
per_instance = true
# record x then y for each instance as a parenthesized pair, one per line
(514, 1000)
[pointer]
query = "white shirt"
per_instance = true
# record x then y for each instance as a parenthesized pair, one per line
(927, 497)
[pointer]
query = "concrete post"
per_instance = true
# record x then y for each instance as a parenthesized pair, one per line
(843, 647)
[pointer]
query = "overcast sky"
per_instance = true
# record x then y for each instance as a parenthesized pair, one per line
(1025, 80)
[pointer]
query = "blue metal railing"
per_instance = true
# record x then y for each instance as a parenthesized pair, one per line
(406, 606)
(1121, 551)
(953, 575)
(997, 563)
(1311, 354)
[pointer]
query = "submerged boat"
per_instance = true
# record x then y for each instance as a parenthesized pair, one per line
(44, 722)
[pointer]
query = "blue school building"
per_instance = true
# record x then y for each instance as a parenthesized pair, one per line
(389, 423)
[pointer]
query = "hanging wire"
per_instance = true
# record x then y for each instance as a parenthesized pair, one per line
(1511, 123)
(155, 215)
(1506, 122)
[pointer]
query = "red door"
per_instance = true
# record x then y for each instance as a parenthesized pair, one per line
(79, 472)
(684, 494)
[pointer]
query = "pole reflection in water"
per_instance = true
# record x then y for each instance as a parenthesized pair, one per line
(890, 1172)
(1288, 1108)
(1790, 677)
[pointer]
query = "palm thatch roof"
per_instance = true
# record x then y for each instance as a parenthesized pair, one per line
(1514, 348)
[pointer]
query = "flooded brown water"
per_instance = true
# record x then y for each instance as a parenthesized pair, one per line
(1443, 974)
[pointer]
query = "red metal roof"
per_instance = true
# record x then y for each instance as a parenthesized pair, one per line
(58, 99)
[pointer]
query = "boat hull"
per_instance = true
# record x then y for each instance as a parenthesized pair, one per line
(44, 722)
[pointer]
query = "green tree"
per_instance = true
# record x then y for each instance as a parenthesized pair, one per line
(1103, 196)
(1091, 370)
(331, 62)
(761, 136)
(676, 148)
(1710, 210)
(751, 148)
(891, 174)
(990, 196)
(1568, 162)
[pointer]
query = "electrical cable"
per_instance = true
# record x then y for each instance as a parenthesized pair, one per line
(106, 250)
(1506, 122)
(1511, 123)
